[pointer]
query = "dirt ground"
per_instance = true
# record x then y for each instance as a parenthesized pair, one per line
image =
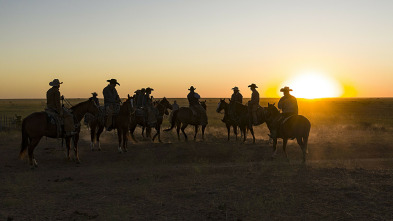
(200, 180)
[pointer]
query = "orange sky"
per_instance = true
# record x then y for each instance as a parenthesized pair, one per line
(211, 45)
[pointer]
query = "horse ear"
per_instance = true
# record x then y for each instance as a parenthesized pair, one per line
(274, 104)
(128, 96)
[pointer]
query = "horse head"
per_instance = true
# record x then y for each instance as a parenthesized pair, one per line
(127, 106)
(271, 111)
(166, 103)
(221, 105)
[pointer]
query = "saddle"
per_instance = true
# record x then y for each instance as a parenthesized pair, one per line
(54, 119)
(285, 119)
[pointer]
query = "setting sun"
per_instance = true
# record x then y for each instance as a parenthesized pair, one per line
(314, 85)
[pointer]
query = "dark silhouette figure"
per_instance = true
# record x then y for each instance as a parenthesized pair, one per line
(296, 126)
(161, 108)
(253, 104)
(183, 117)
(38, 124)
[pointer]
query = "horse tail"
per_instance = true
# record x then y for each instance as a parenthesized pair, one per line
(306, 135)
(173, 122)
(25, 140)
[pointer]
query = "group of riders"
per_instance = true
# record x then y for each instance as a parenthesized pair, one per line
(143, 101)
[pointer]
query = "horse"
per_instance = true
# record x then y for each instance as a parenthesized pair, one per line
(97, 125)
(37, 125)
(243, 119)
(228, 119)
(122, 122)
(182, 118)
(295, 126)
(161, 106)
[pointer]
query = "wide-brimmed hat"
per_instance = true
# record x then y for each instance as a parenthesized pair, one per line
(285, 89)
(235, 88)
(143, 89)
(94, 94)
(137, 91)
(192, 88)
(149, 89)
(252, 86)
(113, 81)
(55, 82)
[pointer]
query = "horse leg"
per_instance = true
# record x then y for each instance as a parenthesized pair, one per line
(92, 136)
(119, 133)
(196, 131)
(100, 129)
(274, 148)
(243, 129)
(68, 146)
(132, 129)
(178, 131)
(303, 145)
(235, 131)
(284, 147)
(253, 135)
(33, 143)
(182, 129)
(158, 129)
(203, 132)
(228, 130)
(75, 138)
(125, 140)
(143, 131)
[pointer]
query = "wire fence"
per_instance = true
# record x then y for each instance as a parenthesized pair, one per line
(8, 123)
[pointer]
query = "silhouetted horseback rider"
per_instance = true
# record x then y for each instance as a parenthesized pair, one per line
(136, 97)
(88, 117)
(54, 107)
(111, 102)
(236, 96)
(141, 98)
(193, 100)
(253, 104)
(288, 105)
(151, 113)
(95, 99)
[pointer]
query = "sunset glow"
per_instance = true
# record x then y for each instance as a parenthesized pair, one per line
(314, 85)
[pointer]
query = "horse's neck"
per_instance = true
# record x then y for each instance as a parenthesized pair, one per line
(79, 111)
(123, 110)
(161, 108)
(274, 119)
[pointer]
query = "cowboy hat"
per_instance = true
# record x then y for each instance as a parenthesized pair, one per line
(235, 88)
(94, 94)
(285, 89)
(55, 82)
(192, 88)
(149, 89)
(113, 81)
(252, 86)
